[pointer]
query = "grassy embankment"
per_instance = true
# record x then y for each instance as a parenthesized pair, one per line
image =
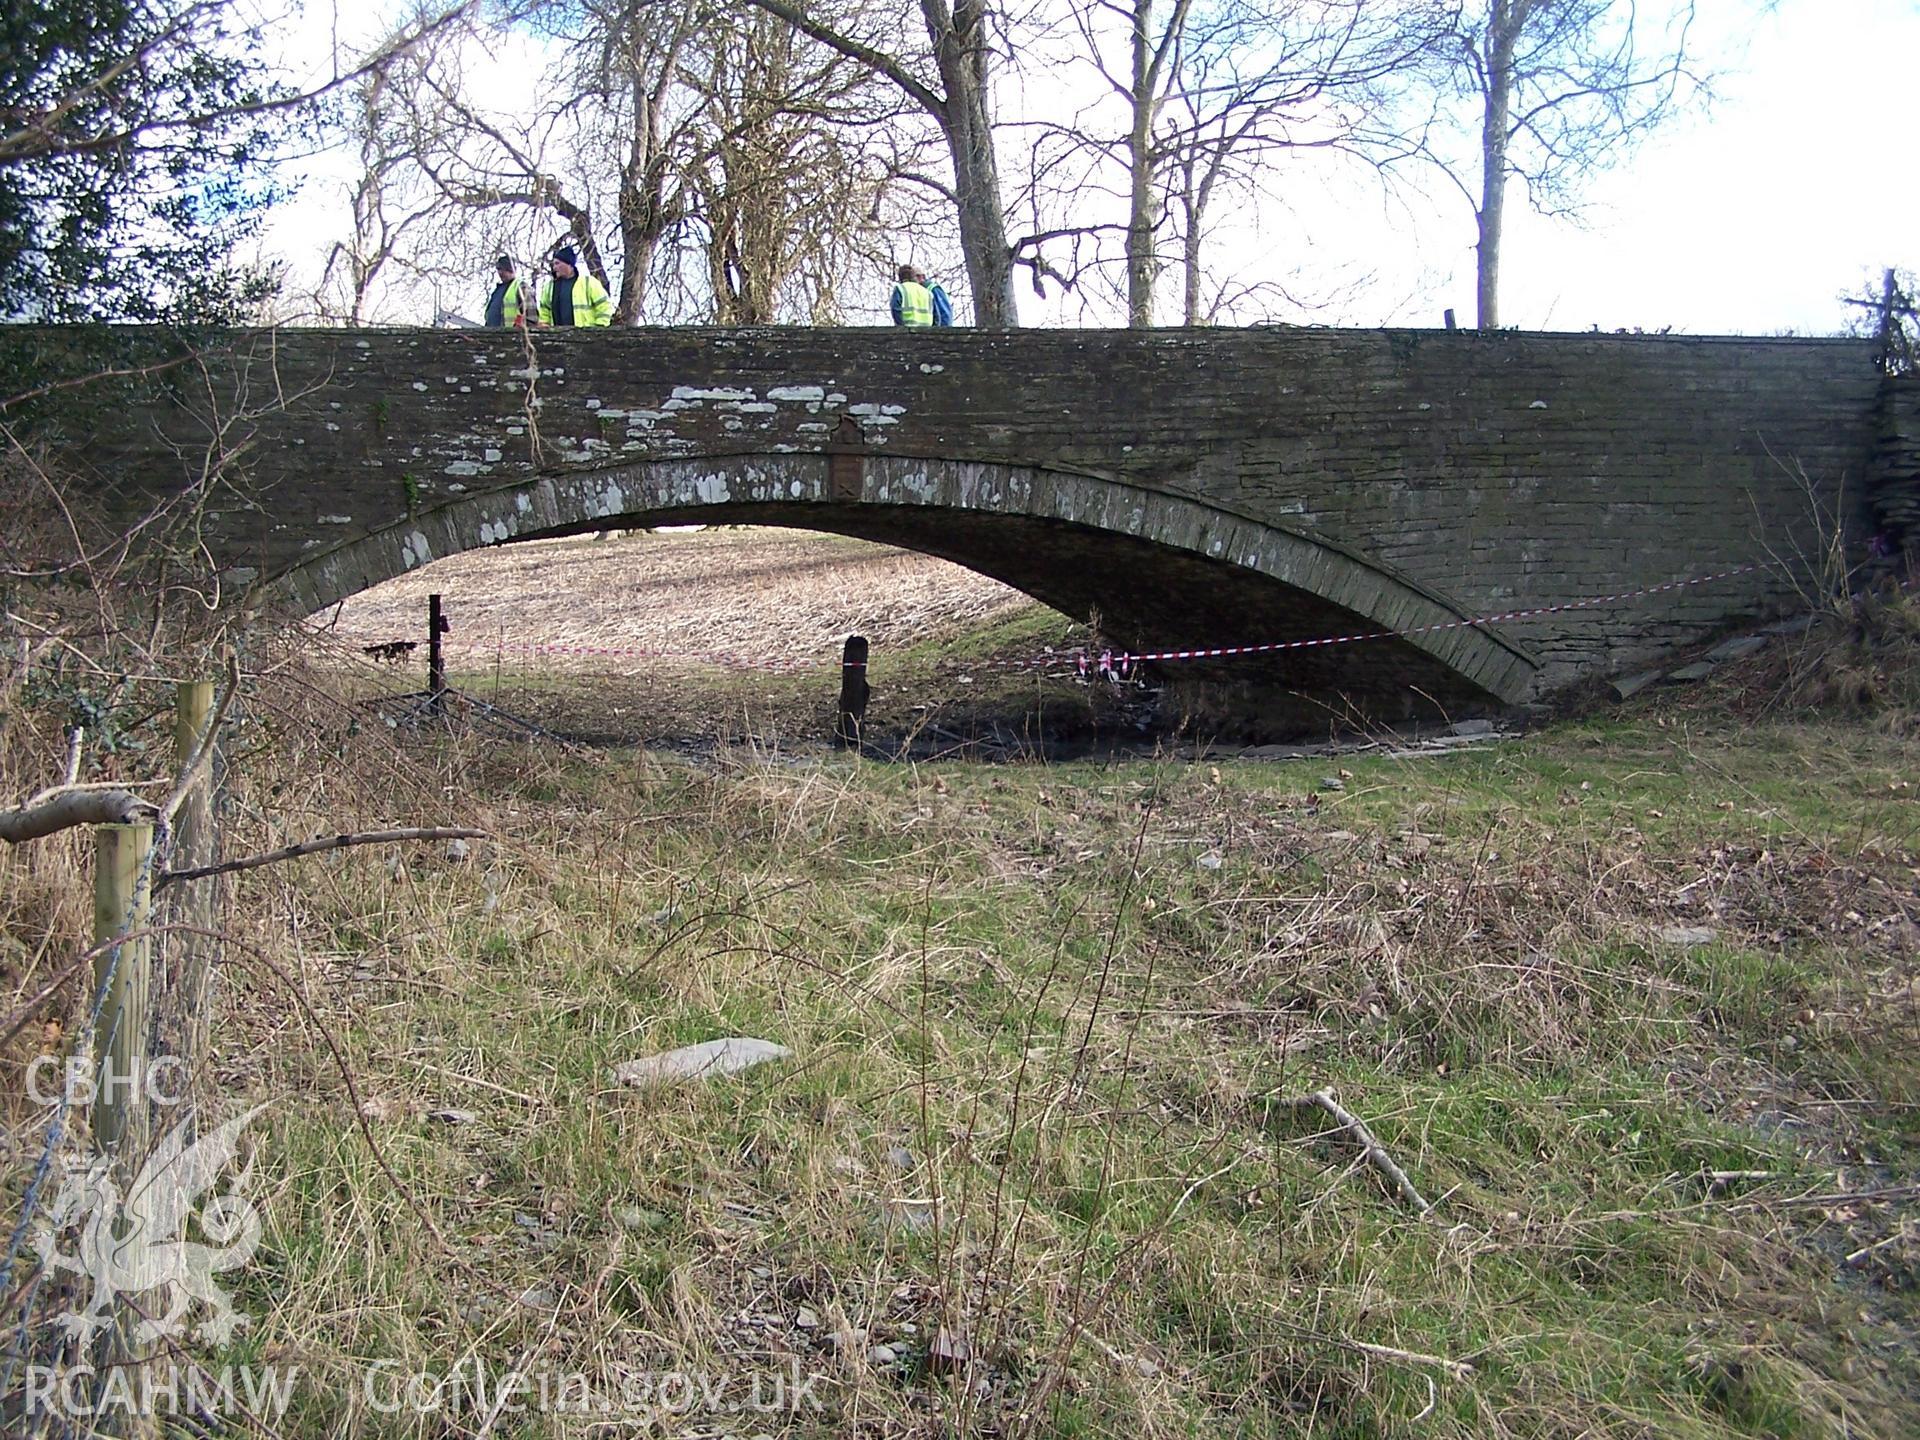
(1632, 1000)
(1040, 1015)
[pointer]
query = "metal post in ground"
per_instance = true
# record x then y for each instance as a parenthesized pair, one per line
(854, 691)
(436, 661)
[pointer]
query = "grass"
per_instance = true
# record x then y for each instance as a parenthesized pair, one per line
(1038, 1015)
(984, 674)
(1632, 1000)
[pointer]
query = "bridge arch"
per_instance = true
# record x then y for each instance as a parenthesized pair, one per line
(1163, 570)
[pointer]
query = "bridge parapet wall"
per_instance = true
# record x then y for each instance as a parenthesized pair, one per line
(1495, 472)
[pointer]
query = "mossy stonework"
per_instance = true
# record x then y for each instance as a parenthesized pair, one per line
(1195, 488)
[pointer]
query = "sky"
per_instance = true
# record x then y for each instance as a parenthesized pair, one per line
(1751, 217)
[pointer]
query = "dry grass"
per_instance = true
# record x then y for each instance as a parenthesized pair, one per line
(716, 595)
(1034, 1034)
(1038, 1014)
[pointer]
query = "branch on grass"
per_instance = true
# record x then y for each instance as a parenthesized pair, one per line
(1371, 1149)
(316, 847)
(1459, 1369)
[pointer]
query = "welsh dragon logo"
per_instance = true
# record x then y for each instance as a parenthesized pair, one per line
(139, 1243)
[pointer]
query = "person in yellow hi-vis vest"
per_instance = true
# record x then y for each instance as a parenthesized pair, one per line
(571, 296)
(508, 302)
(912, 301)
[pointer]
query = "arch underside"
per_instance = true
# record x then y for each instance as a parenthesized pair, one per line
(1159, 570)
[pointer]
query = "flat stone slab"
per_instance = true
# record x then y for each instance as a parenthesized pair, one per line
(1628, 686)
(1699, 670)
(1686, 935)
(1737, 648)
(709, 1060)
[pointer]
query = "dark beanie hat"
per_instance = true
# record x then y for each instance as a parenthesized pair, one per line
(565, 253)
(505, 262)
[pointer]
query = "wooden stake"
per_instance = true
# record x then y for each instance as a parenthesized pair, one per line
(192, 707)
(191, 905)
(120, 897)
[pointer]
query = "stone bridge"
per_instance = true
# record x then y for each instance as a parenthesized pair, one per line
(1188, 488)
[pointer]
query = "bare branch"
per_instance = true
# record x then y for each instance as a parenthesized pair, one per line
(875, 60)
(1371, 1149)
(38, 138)
(317, 847)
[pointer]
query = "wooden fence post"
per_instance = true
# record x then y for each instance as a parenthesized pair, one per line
(191, 902)
(122, 886)
(192, 708)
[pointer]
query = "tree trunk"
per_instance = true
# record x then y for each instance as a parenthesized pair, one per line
(962, 52)
(639, 203)
(645, 214)
(1191, 203)
(1140, 163)
(960, 43)
(1197, 198)
(1503, 27)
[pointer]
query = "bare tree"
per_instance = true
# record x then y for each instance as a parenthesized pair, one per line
(595, 158)
(1155, 61)
(136, 141)
(93, 113)
(796, 145)
(1211, 94)
(627, 96)
(705, 163)
(381, 218)
(949, 82)
(1562, 88)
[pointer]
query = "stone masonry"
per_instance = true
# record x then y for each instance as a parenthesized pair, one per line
(1193, 487)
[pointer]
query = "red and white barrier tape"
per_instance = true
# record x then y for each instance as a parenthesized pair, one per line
(1117, 664)
(1111, 662)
